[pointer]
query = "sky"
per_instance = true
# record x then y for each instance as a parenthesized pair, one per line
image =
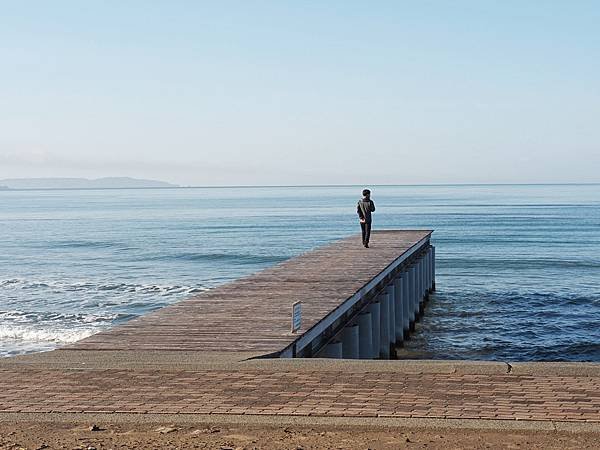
(301, 92)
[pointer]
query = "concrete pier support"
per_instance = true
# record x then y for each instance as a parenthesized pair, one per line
(375, 310)
(391, 292)
(398, 308)
(384, 328)
(332, 350)
(430, 265)
(421, 285)
(423, 276)
(413, 297)
(350, 342)
(429, 279)
(416, 292)
(432, 268)
(365, 335)
(406, 303)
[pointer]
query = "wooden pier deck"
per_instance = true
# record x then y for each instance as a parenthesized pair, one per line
(253, 314)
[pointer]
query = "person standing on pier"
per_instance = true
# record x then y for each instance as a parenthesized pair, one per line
(364, 209)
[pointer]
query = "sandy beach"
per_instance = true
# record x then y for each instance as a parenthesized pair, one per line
(169, 435)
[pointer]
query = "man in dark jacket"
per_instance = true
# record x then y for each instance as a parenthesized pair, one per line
(364, 209)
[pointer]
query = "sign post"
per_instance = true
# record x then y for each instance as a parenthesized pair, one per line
(296, 316)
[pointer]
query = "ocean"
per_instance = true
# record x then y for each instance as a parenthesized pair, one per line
(518, 266)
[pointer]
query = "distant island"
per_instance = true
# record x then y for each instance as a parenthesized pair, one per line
(82, 183)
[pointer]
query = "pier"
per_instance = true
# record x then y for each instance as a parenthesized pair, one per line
(355, 303)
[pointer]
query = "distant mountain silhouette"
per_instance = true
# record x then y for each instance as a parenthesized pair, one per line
(82, 183)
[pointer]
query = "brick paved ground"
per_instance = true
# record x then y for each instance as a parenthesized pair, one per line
(319, 393)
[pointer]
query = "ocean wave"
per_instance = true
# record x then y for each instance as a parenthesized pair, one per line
(51, 327)
(516, 263)
(52, 317)
(32, 333)
(576, 351)
(524, 297)
(233, 258)
(93, 286)
(84, 244)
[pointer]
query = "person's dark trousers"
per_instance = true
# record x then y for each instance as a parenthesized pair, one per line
(366, 232)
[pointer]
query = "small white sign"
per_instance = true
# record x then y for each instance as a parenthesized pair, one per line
(296, 316)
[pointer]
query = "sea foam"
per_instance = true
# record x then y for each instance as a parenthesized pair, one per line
(29, 333)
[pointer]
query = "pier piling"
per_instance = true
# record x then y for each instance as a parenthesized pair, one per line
(374, 309)
(365, 330)
(384, 329)
(406, 304)
(332, 350)
(390, 291)
(398, 308)
(350, 342)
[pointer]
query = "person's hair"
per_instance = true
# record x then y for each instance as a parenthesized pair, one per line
(366, 192)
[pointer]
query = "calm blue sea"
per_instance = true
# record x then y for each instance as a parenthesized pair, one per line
(518, 266)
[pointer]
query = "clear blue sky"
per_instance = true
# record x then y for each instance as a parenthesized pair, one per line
(281, 92)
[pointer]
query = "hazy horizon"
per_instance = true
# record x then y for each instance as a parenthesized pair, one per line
(269, 94)
(7, 182)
